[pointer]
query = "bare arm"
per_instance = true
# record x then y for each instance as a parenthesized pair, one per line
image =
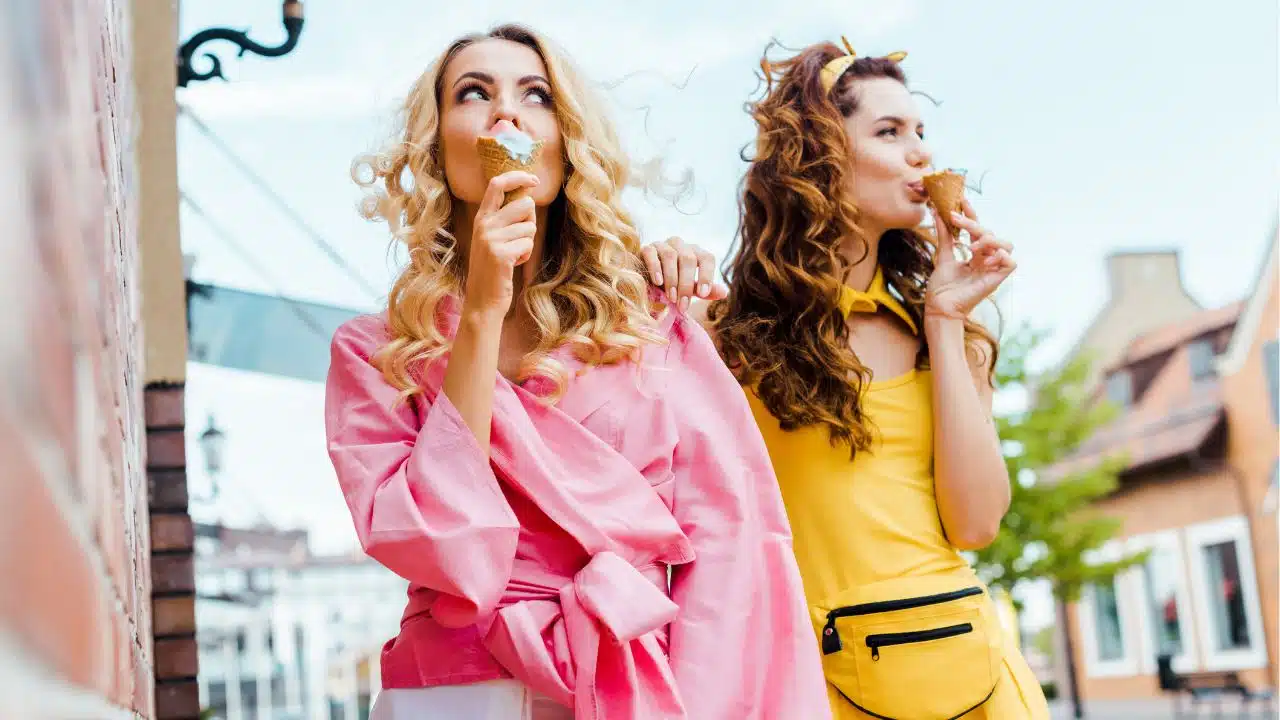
(473, 362)
(970, 477)
(501, 239)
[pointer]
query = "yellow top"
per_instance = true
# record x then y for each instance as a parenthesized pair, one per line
(868, 529)
(873, 518)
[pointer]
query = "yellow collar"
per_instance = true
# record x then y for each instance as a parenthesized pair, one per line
(875, 297)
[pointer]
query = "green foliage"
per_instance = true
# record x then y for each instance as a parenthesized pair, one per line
(1051, 528)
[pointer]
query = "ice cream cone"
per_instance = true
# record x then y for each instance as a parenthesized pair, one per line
(946, 190)
(496, 158)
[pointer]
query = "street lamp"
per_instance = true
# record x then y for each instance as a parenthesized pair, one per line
(212, 441)
(292, 17)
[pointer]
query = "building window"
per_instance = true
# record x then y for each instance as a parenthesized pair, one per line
(1226, 596)
(1271, 364)
(1165, 599)
(1200, 357)
(233, 582)
(1120, 388)
(260, 580)
(1106, 620)
(1159, 572)
(1226, 592)
(1106, 623)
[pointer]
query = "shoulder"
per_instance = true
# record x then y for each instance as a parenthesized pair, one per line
(691, 353)
(361, 336)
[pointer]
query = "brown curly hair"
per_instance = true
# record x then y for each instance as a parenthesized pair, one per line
(781, 328)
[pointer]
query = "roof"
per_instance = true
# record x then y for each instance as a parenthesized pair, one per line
(1251, 318)
(1174, 415)
(1143, 442)
(1171, 336)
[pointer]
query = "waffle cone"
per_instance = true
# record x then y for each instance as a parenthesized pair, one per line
(946, 190)
(495, 160)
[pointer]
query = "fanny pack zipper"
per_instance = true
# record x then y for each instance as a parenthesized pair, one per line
(875, 642)
(831, 637)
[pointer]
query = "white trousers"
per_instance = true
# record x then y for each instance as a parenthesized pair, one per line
(492, 700)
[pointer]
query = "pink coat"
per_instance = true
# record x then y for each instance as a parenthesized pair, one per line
(548, 560)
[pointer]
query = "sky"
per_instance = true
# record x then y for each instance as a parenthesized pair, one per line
(1100, 127)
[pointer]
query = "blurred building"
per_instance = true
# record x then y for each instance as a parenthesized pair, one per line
(1199, 437)
(1145, 292)
(286, 634)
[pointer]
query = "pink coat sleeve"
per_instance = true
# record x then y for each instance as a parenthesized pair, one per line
(424, 498)
(742, 645)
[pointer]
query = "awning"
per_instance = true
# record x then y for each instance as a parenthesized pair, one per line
(261, 333)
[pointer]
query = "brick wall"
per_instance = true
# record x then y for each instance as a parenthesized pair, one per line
(1253, 455)
(172, 569)
(75, 610)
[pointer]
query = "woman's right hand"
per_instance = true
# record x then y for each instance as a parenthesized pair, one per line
(501, 239)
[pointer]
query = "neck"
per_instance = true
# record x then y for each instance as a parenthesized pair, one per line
(464, 224)
(862, 265)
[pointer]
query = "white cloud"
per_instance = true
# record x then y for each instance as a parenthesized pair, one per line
(659, 40)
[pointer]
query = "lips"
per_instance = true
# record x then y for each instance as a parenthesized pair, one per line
(917, 190)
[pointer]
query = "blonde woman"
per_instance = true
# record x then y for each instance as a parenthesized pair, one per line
(563, 469)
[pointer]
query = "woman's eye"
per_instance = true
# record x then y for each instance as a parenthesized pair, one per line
(888, 132)
(471, 93)
(542, 96)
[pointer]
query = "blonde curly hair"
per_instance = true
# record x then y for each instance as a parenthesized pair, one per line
(590, 294)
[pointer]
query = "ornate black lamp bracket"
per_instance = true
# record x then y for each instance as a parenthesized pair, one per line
(292, 13)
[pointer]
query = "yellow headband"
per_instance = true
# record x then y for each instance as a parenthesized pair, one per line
(832, 71)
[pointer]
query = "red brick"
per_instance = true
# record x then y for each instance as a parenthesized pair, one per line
(176, 658)
(121, 661)
(54, 383)
(52, 600)
(167, 489)
(143, 699)
(110, 537)
(75, 593)
(166, 449)
(165, 407)
(171, 532)
(172, 574)
(174, 615)
(177, 699)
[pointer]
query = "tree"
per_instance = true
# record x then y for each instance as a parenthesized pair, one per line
(1052, 529)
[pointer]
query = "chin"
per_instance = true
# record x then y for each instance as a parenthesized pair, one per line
(908, 219)
(469, 189)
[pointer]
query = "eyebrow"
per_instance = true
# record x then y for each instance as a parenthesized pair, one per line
(487, 78)
(483, 77)
(900, 122)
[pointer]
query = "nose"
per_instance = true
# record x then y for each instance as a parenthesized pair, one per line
(920, 155)
(505, 108)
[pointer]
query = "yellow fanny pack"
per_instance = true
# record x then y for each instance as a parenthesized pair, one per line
(924, 648)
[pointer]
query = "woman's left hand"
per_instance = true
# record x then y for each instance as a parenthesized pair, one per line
(956, 287)
(683, 270)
